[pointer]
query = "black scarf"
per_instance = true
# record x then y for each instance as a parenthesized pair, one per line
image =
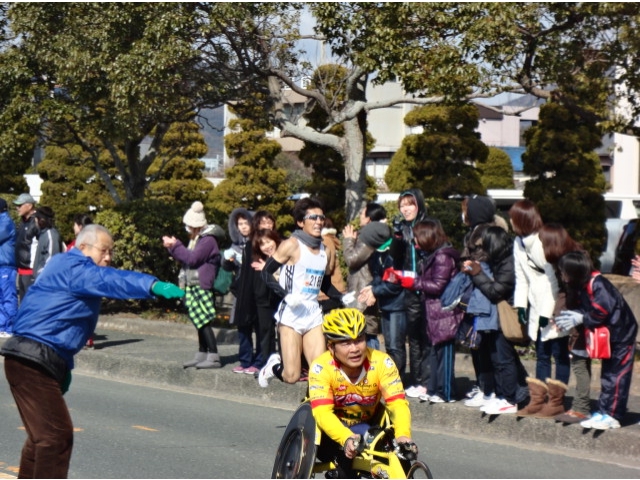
(308, 240)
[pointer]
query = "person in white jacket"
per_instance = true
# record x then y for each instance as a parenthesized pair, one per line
(535, 297)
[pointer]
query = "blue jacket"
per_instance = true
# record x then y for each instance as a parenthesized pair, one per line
(7, 241)
(484, 311)
(61, 308)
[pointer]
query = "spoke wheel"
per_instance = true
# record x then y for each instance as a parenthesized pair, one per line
(297, 451)
(419, 470)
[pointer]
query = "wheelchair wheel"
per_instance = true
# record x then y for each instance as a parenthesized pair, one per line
(297, 451)
(419, 470)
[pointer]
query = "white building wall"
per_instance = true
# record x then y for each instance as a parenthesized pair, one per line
(625, 171)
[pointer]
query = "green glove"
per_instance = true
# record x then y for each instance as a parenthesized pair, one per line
(543, 322)
(522, 315)
(167, 290)
(66, 383)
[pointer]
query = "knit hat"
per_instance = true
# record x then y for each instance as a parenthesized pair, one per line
(24, 198)
(3, 205)
(44, 212)
(480, 209)
(375, 234)
(195, 216)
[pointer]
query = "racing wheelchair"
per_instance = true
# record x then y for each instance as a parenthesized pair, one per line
(379, 455)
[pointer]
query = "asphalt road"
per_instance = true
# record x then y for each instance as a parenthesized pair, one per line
(131, 431)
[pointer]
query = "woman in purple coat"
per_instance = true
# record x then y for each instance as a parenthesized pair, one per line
(200, 262)
(438, 268)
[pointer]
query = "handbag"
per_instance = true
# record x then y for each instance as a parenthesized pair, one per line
(222, 283)
(598, 342)
(511, 328)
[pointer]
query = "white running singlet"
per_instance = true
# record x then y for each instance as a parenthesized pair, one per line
(303, 278)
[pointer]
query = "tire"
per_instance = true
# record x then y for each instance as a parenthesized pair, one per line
(297, 451)
(419, 470)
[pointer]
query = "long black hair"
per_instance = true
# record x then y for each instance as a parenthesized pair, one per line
(497, 244)
(575, 270)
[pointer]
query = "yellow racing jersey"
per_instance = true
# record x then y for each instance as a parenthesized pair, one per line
(338, 404)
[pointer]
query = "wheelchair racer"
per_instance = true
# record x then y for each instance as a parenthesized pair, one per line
(346, 386)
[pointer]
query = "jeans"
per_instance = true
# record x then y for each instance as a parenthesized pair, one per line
(373, 342)
(47, 450)
(559, 349)
(419, 345)
(394, 332)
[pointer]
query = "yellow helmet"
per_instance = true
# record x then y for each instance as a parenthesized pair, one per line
(343, 324)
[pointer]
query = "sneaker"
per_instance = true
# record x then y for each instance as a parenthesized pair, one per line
(571, 416)
(479, 400)
(238, 369)
(251, 370)
(587, 423)
(605, 422)
(415, 391)
(490, 403)
(501, 406)
(266, 374)
(436, 399)
(472, 393)
(5, 335)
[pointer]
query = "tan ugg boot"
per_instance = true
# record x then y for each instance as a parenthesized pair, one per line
(537, 394)
(555, 405)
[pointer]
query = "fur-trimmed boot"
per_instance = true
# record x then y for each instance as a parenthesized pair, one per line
(200, 357)
(212, 361)
(555, 405)
(537, 393)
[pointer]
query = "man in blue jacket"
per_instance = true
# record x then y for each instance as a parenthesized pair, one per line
(8, 272)
(55, 319)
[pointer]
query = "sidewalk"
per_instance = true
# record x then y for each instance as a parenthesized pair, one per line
(152, 352)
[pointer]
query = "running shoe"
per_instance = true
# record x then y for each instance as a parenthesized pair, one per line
(499, 407)
(415, 391)
(605, 422)
(266, 374)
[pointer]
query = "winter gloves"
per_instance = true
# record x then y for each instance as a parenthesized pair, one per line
(167, 290)
(569, 319)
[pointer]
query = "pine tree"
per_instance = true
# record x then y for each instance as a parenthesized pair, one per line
(441, 159)
(253, 182)
(497, 172)
(567, 180)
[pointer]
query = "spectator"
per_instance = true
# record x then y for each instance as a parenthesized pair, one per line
(593, 301)
(26, 242)
(303, 261)
(250, 291)
(358, 247)
(496, 283)
(49, 241)
(556, 242)
(56, 317)
(437, 270)
(391, 302)
(200, 261)
(403, 251)
(80, 220)
(332, 246)
(8, 272)
(237, 258)
(535, 296)
(264, 243)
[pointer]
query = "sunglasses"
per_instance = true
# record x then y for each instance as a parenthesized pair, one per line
(315, 217)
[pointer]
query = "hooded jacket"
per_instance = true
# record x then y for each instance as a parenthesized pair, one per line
(403, 249)
(203, 259)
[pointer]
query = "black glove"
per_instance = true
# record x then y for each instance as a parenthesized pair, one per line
(543, 321)
(522, 315)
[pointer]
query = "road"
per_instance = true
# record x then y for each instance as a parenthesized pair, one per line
(132, 431)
